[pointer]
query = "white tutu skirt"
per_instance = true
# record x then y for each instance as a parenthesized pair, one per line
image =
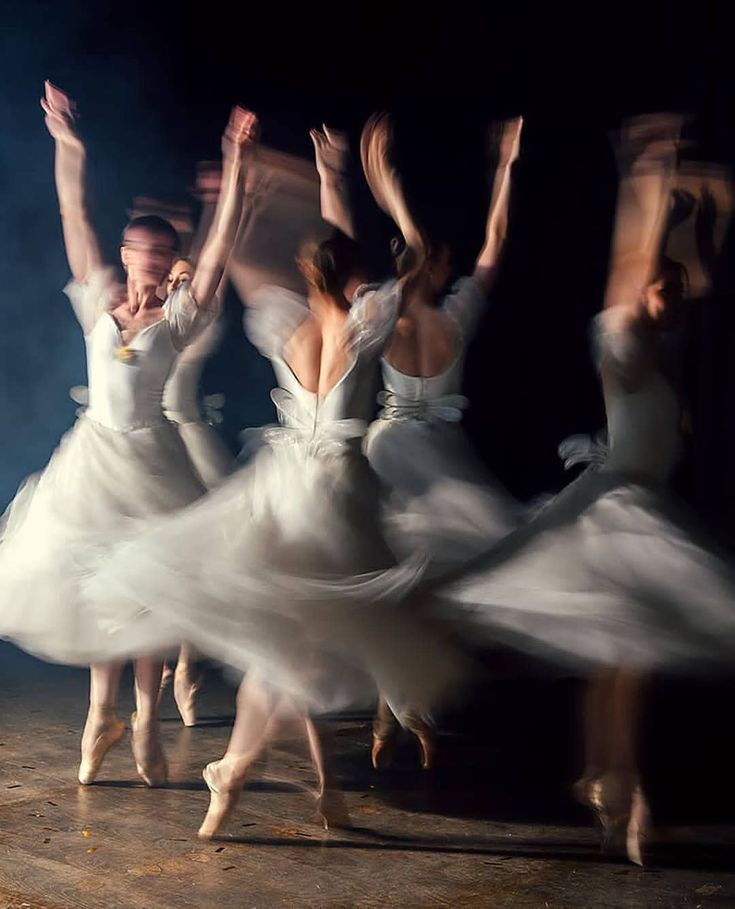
(611, 573)
(441, 499)
(100, 486)
(283, 570)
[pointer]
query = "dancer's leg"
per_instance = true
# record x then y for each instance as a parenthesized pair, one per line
(149, 757)
(186, 684)
(256, 706)
(102, 728)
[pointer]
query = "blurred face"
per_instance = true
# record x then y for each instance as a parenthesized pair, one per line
(147, 256)
(663, 299)
(181, 270)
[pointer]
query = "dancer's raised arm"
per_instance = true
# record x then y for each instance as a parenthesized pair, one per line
(238, 146)
(508, 136)
(80, 239)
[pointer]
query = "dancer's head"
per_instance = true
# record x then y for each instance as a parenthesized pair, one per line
(148, 248)
(663, 297)
(331, 266)
(181, 270)
(437, 268)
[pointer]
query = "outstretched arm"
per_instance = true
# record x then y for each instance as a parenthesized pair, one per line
(509, 142)
(647, 158)
(82, 245)
(385, 183)
(647, 151)
(330, 152)
(238, 145)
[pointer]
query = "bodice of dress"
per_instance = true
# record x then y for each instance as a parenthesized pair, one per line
(436, 397)
(643, 424)
(344, 411)
(126, 381)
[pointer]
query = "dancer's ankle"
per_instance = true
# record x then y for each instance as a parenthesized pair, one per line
(145, 719)
(102, 711)
(233, 768)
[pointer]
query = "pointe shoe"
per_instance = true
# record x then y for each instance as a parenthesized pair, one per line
(185, 692)
(639, 826)
(383, 749)
(424, 734)
(150, 761)
(385, 732)
(223, 796)
(110, 734)
(332, 811)
(425, 738)
(608, 797)
(166, 677)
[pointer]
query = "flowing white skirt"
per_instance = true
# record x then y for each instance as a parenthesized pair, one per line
(442, 500)
(100, 486)
(611, 573)
(283, 569)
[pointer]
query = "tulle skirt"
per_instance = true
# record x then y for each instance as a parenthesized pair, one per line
(612, 572)
(283, 569)
(441, 499)
(101, 486)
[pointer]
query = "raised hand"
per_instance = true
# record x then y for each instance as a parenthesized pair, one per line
(375, 150)
(241, 134)
(330, 151)
(375, 145)
(60, 115)
(648, 143)
(238, 144)
(505, 138)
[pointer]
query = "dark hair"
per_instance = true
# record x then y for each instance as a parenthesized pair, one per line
(155, 225)
(329, 265)
(671, 269)
(404, 258)
(682, 205)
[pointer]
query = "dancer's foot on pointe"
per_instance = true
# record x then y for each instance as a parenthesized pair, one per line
(150, 760)
(332, 810)
(224, 791)
(425, 736)
(185, 692)
(101, 731)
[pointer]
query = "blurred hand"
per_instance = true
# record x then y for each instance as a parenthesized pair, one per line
(60, 115)
(330, 150)
(241, 134)
(505, 137)
(375, 144)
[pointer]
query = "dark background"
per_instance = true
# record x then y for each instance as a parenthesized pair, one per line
(154, 84)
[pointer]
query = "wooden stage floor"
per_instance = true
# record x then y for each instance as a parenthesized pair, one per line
(492, 826)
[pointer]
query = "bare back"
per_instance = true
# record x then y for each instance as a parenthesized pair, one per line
(318, 352)
(425, 343)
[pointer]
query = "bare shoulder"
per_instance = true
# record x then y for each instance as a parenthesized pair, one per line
(306, 335)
